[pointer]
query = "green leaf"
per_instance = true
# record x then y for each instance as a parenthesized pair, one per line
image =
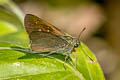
(17, 63)
(19, 39)
(87, 64)
(6, 28)
(10, 18)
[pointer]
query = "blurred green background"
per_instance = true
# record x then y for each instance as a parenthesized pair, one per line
(100, 17)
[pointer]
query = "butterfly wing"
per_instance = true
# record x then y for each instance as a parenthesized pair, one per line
(44, 37)
(34, 23)
(45, 42)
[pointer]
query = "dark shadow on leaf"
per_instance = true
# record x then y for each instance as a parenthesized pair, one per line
(30, 55)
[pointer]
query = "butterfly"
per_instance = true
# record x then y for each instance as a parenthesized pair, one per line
(44, 37)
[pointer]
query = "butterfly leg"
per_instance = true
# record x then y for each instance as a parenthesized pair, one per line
(75, 66)
(56, 51)
(49, 53)
(66, 57)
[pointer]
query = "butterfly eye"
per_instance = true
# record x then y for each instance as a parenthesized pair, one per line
(77, 44)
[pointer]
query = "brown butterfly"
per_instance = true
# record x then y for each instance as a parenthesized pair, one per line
(45, 37)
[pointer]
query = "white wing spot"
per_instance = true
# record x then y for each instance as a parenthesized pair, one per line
(39, 30)
(48, 30)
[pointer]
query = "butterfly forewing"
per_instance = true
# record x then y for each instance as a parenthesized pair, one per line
(34, 23)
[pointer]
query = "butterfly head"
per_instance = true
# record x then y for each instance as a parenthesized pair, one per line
(77, 43)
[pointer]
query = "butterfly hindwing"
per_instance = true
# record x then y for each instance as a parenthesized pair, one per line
(45, 42)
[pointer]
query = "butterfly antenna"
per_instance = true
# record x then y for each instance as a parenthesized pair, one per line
(81, 47)
(81, 32)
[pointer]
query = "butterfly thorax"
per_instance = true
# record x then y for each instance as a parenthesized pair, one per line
(72, 43)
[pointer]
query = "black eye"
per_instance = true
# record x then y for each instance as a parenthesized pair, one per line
(77, 44)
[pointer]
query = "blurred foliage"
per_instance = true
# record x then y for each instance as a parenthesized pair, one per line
(10, 17)
(17, 63)
(58, 3)
(5, 28)
(64, 3)
(2, 2)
